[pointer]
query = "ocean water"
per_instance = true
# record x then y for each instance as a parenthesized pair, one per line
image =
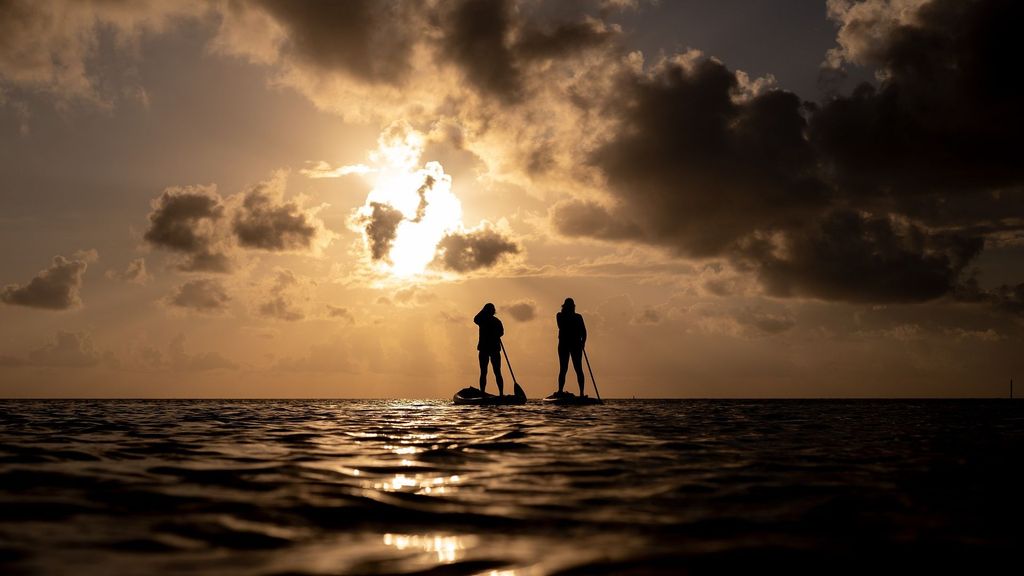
(424, 487)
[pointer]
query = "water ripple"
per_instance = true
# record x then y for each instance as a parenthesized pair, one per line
(424, 487)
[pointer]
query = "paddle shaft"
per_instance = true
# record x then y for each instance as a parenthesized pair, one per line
(592, 381)
(502, 344)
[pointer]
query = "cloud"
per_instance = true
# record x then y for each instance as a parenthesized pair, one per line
(333, 356)
(473, 249)
(207, 229)
(522, 310)
(203, 295)
(411, 296)
(588, 218)
(369, 40)
(851, 257)
(51, 47)
(765, 321)
(340, 313)
(492, 45)
(647, 316)
(381, 227)
(179, 359)
(185, 220)
(943, 125)
(322, 169)
(265, 221)
(886, 195)
(68, 349)
(696, 170)
(279, 303)
(54, 288)
(135, 273)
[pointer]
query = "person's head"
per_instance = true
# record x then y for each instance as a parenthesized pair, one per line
(490, 309)
(569, 305)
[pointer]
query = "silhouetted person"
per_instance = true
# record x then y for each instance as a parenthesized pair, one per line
(489, 345)
(572, 336)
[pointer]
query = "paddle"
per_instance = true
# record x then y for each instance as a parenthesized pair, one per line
(503, 351)
(592, 381)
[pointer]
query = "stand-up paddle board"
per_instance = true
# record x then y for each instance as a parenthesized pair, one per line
(570, 399)
(474, 397)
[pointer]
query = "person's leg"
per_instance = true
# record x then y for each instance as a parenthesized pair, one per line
(482, 356)
(496, 365)
(563, 366)
(577, 364)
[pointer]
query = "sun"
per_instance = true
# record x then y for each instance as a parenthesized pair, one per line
(410, 208)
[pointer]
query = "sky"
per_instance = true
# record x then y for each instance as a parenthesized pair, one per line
(307, 199)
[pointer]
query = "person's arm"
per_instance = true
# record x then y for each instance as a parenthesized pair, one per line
(501, 328)
(478, 318)
(583, 332)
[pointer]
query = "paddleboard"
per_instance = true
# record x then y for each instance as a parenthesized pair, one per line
(570, 399)
(473, 397)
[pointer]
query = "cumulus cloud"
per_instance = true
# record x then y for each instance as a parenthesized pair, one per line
(135, 273)
(266, 221)
(944, 122)
(206, 229)
(522, 310)
(886, 195)
(186, 220)
(473, 249)
(202, 295)
(53, 288)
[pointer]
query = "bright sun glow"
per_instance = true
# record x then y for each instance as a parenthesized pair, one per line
(423, 195)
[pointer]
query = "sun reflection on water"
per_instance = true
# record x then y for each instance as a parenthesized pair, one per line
(422, 483)
(445, 548)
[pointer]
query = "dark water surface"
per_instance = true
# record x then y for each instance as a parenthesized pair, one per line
(424, 487)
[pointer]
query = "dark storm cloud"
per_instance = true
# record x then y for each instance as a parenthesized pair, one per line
(493, 47)
(184, 220)
(847, 256)
(476, 40)
(885, 195)
(523, 310)
(369, 39)
(695, 168)
(473, 250)
(587, 218)
(202, 295)
(54, 288)
(947, 118)
(266, 222)
(381, 226)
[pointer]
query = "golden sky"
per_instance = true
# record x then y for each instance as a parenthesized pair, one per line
(309, 199)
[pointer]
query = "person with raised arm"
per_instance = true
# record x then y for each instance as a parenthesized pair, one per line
(489, 345)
